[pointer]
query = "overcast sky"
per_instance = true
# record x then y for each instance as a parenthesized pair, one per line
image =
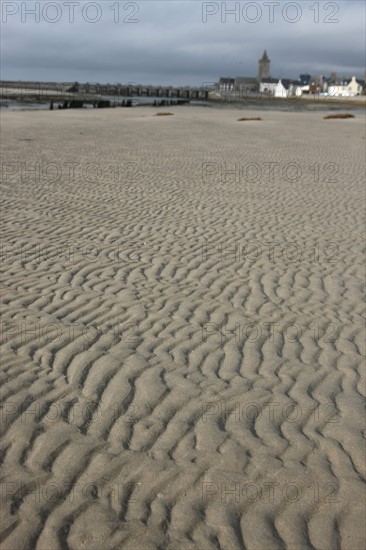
(179, 42)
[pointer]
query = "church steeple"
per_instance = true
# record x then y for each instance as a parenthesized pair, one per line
(263, 66)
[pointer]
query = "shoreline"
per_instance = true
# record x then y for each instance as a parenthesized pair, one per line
(27, 95)
(262, 104)
(359, 100)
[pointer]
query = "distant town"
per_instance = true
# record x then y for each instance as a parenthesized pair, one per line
(263, 83)
(262, 86)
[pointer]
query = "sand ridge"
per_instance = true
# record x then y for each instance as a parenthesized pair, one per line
(182, 330)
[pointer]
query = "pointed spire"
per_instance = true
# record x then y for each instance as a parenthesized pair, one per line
(265, 56)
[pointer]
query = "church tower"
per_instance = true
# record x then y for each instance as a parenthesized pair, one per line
(263, 66)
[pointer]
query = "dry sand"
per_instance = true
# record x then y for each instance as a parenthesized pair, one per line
(172, 378)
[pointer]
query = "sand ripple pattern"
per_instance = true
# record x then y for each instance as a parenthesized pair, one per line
(156, 391)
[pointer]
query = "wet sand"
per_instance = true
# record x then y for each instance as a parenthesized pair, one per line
(182, 330)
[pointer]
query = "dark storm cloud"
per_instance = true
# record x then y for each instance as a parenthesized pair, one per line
(170, 43)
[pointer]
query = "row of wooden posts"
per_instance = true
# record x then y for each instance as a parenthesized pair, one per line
(102, 104)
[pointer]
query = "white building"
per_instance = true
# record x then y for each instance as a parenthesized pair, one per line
(268, 86)
(344, 88)
(280, 88)
(226, 84)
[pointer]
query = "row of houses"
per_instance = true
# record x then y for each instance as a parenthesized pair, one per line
(284, 87)
(276, 87)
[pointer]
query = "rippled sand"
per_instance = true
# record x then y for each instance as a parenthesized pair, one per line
(183, 340)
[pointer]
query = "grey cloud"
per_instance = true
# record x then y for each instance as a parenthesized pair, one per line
(171, 44)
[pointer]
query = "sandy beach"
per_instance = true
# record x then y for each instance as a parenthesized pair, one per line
(183, 333)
